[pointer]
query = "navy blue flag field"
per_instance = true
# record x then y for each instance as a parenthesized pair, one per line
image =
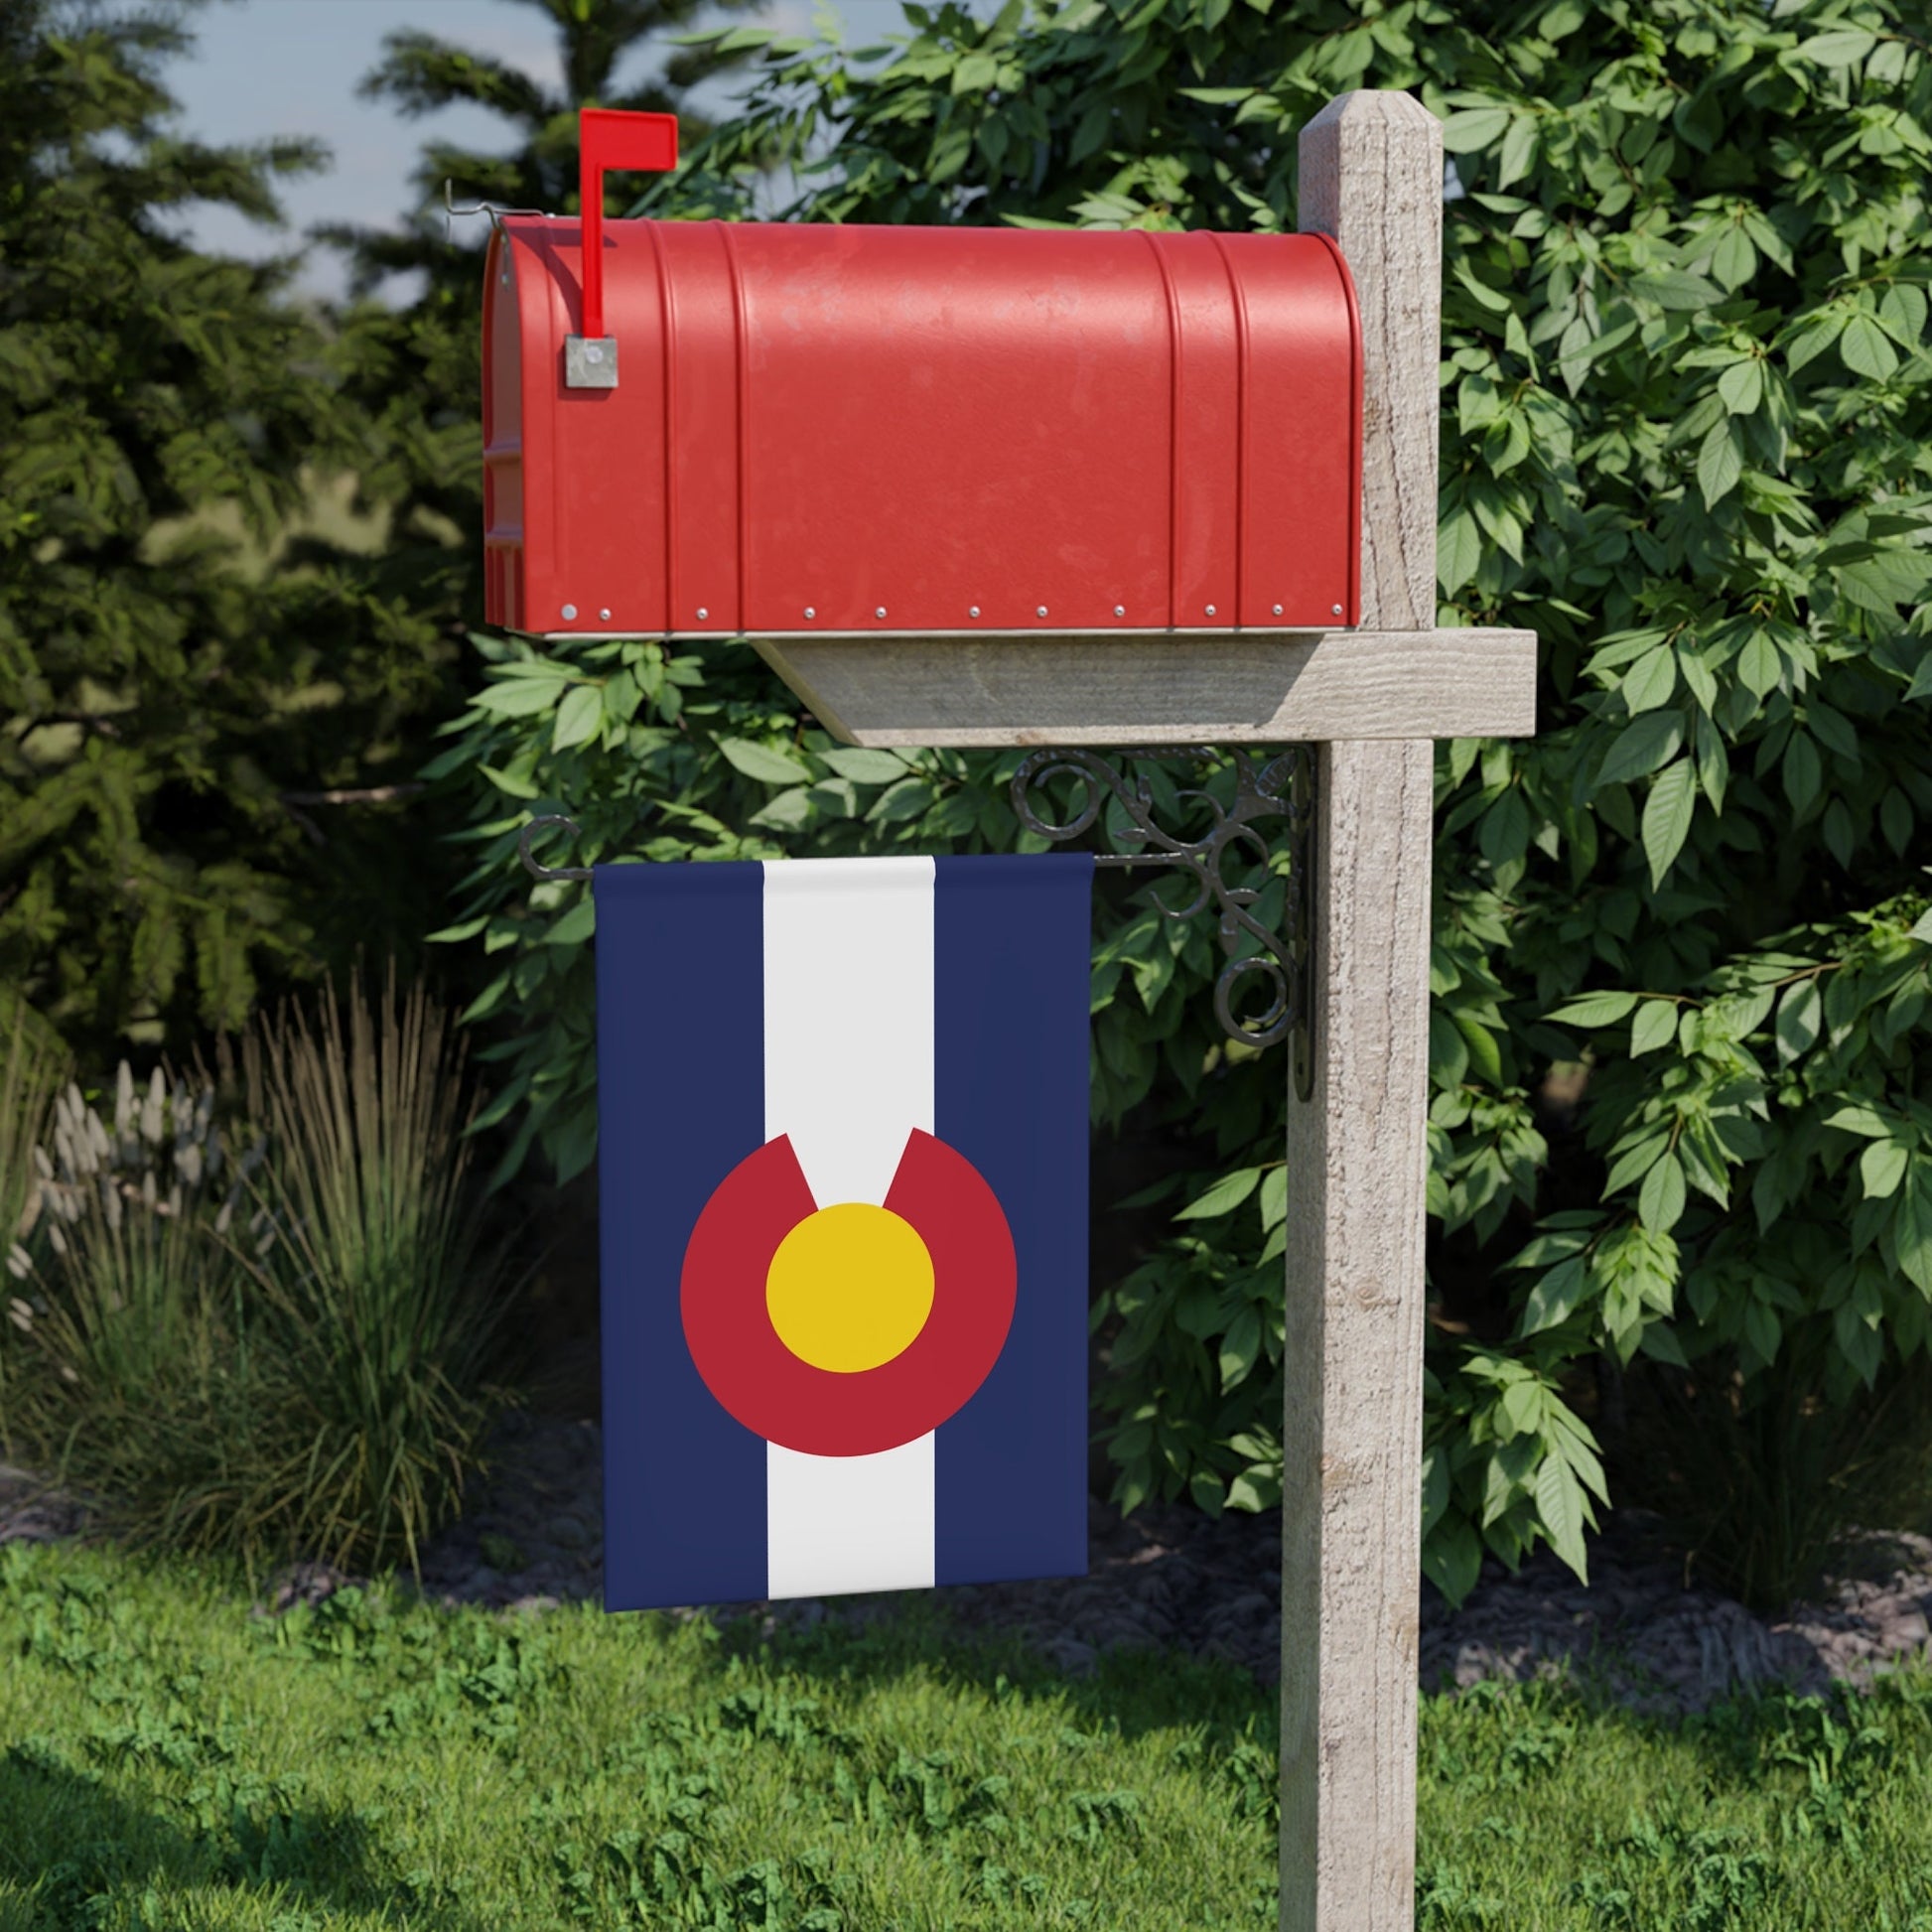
(843, 1173)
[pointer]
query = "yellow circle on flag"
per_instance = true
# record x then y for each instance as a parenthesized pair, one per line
(849, 1287)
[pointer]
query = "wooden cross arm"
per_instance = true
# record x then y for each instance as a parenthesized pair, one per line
(1163, 688)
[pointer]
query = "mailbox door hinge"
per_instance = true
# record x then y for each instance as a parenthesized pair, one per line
(590, 361)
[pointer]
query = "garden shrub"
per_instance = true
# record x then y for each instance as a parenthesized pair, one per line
(281, 1353)
(1680, 1114)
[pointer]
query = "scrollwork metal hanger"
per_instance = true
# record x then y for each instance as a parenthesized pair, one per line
(1280, 787)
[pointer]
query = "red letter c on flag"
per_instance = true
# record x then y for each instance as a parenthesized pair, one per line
(824, 1411)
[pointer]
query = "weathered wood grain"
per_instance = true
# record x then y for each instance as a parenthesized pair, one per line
(1164, 689)
(1372, 172)
(1372, 178)
(1351, 1438)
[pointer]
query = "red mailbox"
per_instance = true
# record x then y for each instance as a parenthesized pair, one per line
(773, 428)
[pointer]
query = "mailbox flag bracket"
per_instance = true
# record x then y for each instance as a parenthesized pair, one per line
(608, 140)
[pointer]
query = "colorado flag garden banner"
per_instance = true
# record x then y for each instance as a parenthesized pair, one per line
(842, 1166)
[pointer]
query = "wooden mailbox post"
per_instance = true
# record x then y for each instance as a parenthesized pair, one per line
(1370, 697)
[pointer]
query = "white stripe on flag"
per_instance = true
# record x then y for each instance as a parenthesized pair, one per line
(848, 1074)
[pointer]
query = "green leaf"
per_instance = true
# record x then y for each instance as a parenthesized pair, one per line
(864, 766)
(1556, 1296)
(1255, 1493)
(1435, 1489)
(1903, 312)
(1881, 1166)
(1595, 1010)
(1521, 1405)
(1842, 48)
(515, 698)
(1641, 747)
(579, 718)
(1655, 1025)
(1560, 1505)
(1660, 1344)
(1224, 1197)
(574, 926)
(1760, 665)
(1667, 815)
(1867, 349)
(1504, 833)
(974, 74)
(1660, 1200)
(1274, 1197)
(1801, 1014)
(1734, 262)
(763, 763)
(1911, 1229)
(909, 798)
(1818, 335)
(1721, 462)
(1743, 387)
(1240, 1348)
(1676, 288)
(1459, 551)
(1451, 1559)
(1650, 681)
(1518, 151)
(1803, 772)
(1713, 762)
(1471, 128)
(1485, 1054)
(511, 788)
(785, 811)
(464, 930)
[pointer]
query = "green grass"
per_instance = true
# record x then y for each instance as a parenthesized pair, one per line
(169, 1762)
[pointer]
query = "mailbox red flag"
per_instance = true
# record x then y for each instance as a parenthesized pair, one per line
(609, 139)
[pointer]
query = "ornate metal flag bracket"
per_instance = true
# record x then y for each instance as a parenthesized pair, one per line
(1282, 787)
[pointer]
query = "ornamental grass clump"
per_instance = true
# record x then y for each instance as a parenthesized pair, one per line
(274, 1354)
(131, 1368)
(387, 1304)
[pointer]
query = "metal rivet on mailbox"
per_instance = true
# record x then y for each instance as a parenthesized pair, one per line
(1120, 609)
(570, 611)
(974, 611)
(1041, 611)
(881, 612)
(1337, 610)
(811, 612)
(703, 613)
(604, 616)
(1211, 609)
(1277, 609)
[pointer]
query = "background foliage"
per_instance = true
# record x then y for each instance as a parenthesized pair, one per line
(1679, 1120)
(186, 659)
